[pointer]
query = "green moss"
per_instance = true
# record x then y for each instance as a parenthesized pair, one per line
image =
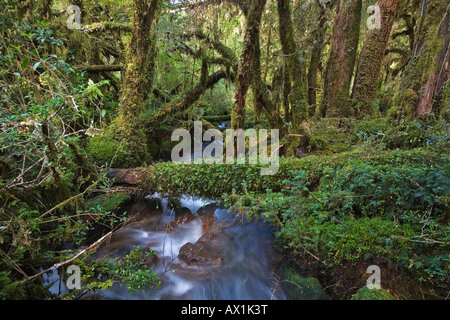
(109, 202)
(300, 288)
(375, 294)
(106, 150)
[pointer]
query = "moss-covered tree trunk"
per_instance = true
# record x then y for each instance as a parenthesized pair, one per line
(342, 59)
(151, 64)
(244, 76)
(134, 87)
(421, 89)
(371, 60)
(316, 55)
(263, 101)
(298, 95)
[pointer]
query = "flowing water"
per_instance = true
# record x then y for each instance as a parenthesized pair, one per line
(248, 259)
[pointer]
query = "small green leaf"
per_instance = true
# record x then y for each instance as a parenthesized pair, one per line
(36, 65)
(25, 62)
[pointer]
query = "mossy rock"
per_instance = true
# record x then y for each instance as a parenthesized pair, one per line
(300, 288)
(109, 202)
(374, 294)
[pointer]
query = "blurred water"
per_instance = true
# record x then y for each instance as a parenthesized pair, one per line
(250, 259)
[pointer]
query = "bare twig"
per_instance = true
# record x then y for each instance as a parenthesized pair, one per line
(58, 265)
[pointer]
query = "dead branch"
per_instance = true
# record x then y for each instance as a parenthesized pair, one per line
(58, 265)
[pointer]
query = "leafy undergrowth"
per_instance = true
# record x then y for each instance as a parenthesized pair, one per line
(339, 213)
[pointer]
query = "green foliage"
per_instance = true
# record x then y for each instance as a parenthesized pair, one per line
(415, 133)
(299, 288)
(375, 294)
(370, 131)
(134, 270)
(392, 208)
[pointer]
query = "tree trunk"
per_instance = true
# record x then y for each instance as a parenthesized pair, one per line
(262, 96)
(151, 65)
(371, 60)
(424, 79)
(244, 76)
(135, 85)
(316, 55)
(298, 95)
(341, 63)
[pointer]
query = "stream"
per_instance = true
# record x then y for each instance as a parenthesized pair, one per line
(204, 252)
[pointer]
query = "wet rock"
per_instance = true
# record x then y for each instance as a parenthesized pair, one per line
(209, 209)
(197, 254)
(208, 224)
(182, 212)
(155, 204)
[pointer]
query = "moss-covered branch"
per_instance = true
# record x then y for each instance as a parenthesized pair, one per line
(101, 68)
(188, 98)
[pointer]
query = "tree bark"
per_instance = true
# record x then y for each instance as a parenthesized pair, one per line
(342, 59)
(298, 95)
(421, 88)
(371, 60)
(244, 75)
